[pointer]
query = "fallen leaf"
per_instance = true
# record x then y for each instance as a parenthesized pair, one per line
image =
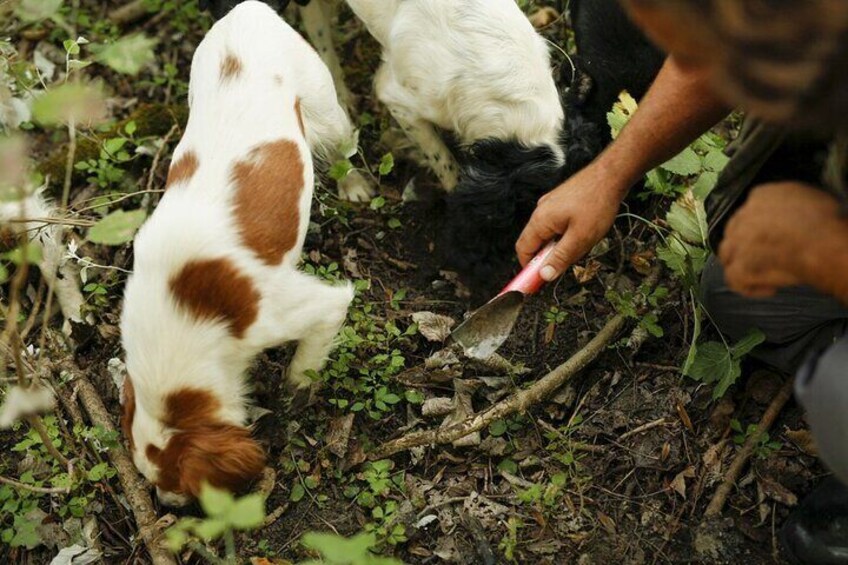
(684, 417)
(777, 492)
(442, 358)
(462, 410)
(679, 482)
(434, 327)
(349, 261)
(666, 451)
(642, 262)
(721, 414)
(438, 406)
(606, 522)
(712, 459)
(804, 441)
(543, 17)
(338, 435)
(586, 273)
(77, 555)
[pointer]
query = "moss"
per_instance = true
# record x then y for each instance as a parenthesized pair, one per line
(152, 120)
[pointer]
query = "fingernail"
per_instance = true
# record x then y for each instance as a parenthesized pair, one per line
(548, 273)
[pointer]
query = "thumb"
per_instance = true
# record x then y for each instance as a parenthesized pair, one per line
(566, 253)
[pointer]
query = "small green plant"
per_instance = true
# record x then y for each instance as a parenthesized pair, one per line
(385, 527)
(765, 445)
(509, 543)
(224, 516)
(47, 476)
(337, 550)
(641, 305)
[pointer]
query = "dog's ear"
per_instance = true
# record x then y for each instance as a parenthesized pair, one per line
(224, 456)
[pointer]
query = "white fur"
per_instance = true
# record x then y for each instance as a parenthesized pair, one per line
(166, 348)
(476, 68)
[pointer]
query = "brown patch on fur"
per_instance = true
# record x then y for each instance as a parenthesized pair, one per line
(222, 455)
(267, 200)
(204, 449)
(189, 408)
(230, 67)
(216, 290)
(182, 169)
(128, 414)
(299, 115)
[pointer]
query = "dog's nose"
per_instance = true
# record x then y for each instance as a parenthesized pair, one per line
(172, 499)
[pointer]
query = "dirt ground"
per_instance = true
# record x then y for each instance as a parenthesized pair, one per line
(618, 466)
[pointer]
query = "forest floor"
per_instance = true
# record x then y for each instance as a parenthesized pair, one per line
(619, 465)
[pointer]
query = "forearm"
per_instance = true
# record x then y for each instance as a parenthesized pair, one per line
(678, 108)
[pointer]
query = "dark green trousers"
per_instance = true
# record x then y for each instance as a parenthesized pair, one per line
(806, 333)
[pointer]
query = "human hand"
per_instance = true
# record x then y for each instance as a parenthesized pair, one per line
(786, 234)
(581, 210)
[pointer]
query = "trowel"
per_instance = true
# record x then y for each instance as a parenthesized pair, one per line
(482, 333)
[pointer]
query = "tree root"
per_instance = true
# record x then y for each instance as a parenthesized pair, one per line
(134, 489)
(128, 13)
(518, 402)
(732, 475)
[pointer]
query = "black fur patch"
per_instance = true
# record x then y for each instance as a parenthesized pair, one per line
(221, 8)
(500, 182)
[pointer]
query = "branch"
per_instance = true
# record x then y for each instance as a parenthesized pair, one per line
(128, 13)
(723, 491)
(136, 493)
(518, 402)
(33, 488)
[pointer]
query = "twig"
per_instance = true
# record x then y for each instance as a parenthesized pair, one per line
(275, 515)
(723, 491)
(518, 402)
(643, 428)
(134, 489)
(522, 400)
(128, 13)
(32, 488)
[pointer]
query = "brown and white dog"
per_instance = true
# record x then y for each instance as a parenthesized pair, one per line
(215, 278)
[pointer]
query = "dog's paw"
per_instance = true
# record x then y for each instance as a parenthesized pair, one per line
(356, 188)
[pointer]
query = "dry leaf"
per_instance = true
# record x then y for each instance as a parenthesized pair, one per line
(666, 451)
(642, 262)
(778, 492)
(543, 17)
(434, 327)
(679, 482)
(804, 441)
(439, 406)
(712, 459)
(588, 272)
(338, 435)
(684, 417)
(349, 261)
(606, 522)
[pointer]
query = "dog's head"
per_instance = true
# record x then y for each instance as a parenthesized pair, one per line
(500, 183)
(189, 446)
(220, 8)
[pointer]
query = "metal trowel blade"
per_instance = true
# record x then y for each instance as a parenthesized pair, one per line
(486, 329)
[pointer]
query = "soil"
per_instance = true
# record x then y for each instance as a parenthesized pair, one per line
(631, 498)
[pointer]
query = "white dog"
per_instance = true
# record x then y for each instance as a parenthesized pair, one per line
(215, 278)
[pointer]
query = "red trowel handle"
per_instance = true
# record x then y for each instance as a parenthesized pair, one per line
(529, 281)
